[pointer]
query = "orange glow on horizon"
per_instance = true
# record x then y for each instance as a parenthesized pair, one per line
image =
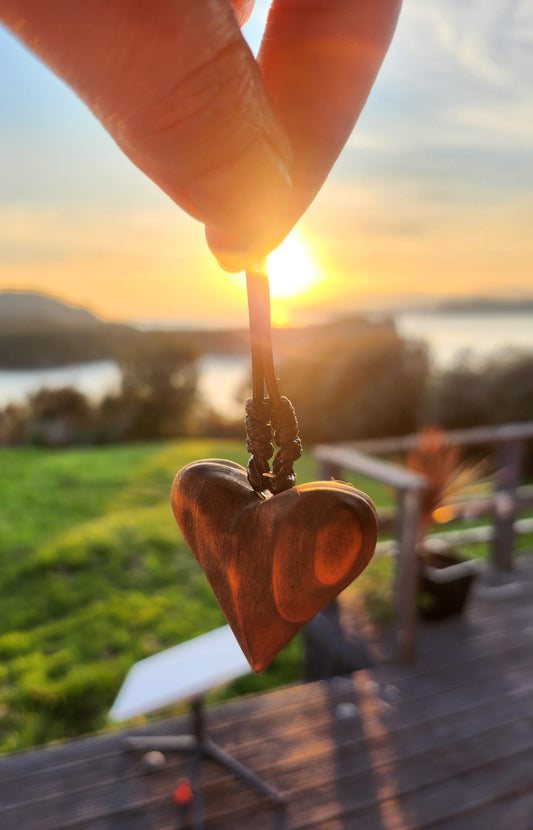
(156, 265)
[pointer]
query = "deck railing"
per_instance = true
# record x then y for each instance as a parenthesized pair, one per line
(504, 504)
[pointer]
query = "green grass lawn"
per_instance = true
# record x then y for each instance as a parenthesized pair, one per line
(94, 575)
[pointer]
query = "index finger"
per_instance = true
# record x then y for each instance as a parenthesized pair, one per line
(319, 60)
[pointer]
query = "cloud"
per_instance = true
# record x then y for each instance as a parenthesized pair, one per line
(32, 232)
(453, 61)
(451, 115)
(484, 41)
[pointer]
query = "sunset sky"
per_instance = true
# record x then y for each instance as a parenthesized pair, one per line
(432, 196)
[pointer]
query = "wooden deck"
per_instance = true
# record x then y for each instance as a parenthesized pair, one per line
(446, 744)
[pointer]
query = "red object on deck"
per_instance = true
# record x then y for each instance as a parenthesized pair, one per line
(183, 794)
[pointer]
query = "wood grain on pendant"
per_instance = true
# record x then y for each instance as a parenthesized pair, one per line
(272, 563)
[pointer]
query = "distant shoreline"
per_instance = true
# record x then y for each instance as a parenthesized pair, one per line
(38, 333)
(480, 307)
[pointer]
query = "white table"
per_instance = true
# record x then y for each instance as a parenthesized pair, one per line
(180, 673)
(185, 673)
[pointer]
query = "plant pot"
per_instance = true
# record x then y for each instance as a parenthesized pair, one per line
(444, 583)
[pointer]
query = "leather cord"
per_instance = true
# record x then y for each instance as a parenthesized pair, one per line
(269, 419)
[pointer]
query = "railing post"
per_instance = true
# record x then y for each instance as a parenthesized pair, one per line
(508, 457)
(407, 573)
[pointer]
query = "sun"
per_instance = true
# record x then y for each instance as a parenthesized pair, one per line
(291, 270)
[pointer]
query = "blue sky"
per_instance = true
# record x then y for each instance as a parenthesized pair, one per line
(432, 195)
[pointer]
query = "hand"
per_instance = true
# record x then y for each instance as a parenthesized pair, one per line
(243, 146)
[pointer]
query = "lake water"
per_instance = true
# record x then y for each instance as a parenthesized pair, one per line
(222, 382)
(223, 378)
(94, 379)
(450, 334)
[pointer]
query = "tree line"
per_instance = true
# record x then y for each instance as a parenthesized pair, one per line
(379, 384)
(155, 400)
(348, 382)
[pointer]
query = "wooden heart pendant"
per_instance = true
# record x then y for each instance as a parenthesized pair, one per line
(272, 563)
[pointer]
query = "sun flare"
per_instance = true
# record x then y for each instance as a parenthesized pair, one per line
(291, 270)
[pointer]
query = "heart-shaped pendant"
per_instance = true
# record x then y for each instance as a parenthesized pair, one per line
(272, 563)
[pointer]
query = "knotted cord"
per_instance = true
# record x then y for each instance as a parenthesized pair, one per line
(270, 419)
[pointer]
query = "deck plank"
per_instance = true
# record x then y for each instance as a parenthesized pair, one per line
(446, 744)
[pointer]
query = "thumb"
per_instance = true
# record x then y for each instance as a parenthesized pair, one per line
(177, 87)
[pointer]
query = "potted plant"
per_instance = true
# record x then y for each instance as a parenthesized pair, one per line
(445, 577)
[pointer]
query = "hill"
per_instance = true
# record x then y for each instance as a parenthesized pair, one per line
(38, 331)
(486, 305)
(30, 311)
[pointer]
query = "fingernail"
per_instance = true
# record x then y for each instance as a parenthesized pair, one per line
(263, 226)
(253, 192)
(236, 252)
